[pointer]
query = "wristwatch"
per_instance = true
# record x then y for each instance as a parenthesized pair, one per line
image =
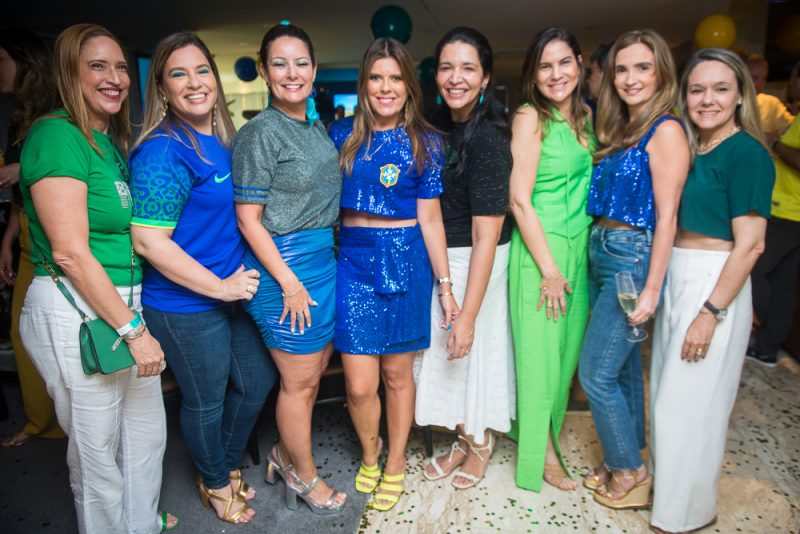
(719, 313)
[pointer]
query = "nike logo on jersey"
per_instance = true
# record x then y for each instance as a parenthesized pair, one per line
(220, 180)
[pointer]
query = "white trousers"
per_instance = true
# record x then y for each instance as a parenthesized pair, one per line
(115, 423)
(691, 403)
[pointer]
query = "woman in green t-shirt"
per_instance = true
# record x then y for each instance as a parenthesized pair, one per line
(702, 331)
(74, 187)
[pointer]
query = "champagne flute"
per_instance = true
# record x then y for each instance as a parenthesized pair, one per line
(628, 299)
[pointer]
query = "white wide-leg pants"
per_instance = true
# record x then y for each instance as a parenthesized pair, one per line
(115, 423)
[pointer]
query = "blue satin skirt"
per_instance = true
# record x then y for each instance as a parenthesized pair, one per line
(309, 254)
(383, 290)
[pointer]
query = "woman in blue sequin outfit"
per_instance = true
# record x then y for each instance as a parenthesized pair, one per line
(641, 166)
(392, 245)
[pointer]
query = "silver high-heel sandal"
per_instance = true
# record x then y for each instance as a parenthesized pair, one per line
(292, 493)
(275, 466)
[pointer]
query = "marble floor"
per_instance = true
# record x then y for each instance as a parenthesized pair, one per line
(759, 490)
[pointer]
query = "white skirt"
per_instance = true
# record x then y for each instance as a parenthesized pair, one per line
(478, 390)
(691, 403)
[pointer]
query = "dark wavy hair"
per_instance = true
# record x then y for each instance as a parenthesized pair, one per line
(490, 111)
(34, 85)
(530, 92)
(284, 30)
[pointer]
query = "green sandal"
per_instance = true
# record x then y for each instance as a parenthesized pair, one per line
(164, 517)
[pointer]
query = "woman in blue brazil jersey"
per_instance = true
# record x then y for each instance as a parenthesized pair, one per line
(185, 225)
(392, 244)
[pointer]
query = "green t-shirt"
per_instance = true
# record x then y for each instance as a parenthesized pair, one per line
(54, 147)
(730, 181)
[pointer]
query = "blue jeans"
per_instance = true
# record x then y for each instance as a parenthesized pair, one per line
(610, 365)
(224, 372)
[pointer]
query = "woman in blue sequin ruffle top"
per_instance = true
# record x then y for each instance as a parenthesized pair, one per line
(392, 244)
(641, 166)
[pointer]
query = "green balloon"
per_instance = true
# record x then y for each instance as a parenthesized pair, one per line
(391, 21)
(426, 72)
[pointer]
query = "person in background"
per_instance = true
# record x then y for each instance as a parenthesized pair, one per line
(26, 73)
(74, 186)
(793, 90)
(641, 167)
(702, 330)
(184, 224)
(552, 144)
(286, 188)
(466, 378)
(594, 76)
(775, 273)
(775, 118)
(391, 247)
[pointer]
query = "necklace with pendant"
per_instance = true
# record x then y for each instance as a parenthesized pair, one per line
(368, 157)
(702, 149)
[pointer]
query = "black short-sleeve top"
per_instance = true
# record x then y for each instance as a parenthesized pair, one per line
(482, 186)
(732, 180)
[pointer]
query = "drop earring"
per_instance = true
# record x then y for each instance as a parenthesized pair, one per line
(438, 100)
(481, 99)
(164, 107)
(214, 118)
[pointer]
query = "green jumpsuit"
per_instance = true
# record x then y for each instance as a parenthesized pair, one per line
(547, 352)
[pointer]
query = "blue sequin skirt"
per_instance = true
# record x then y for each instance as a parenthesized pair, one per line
(309, 254)
(383, 291)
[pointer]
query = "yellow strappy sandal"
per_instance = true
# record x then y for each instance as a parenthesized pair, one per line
(389, 499)
(368, 476)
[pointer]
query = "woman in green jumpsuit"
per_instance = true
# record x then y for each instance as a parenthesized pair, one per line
(551, 144)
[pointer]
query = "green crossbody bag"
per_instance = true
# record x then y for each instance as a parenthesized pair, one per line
(102, 349)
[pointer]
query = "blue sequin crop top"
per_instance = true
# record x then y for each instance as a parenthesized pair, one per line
(380, 183)
(622, 185)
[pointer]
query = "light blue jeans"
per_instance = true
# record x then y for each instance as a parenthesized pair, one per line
(611, 366)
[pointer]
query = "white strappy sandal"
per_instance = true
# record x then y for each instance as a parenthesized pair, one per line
(473, 480)
(440, 473)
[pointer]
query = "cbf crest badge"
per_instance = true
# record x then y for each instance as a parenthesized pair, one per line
(389, 175)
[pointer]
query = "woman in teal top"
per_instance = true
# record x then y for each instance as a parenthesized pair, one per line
(702, 331)
(551, 144)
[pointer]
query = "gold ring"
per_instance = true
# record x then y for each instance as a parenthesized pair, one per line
(699, 352)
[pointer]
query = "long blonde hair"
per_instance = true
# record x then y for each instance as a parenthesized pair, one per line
(66, 58)
(615, 128)
(747, 116)
(411, 117)
(154, 112)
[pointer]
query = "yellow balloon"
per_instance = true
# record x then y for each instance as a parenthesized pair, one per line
(715, 30)
(788, 34)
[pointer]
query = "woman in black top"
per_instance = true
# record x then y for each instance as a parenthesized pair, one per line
(466, 378)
